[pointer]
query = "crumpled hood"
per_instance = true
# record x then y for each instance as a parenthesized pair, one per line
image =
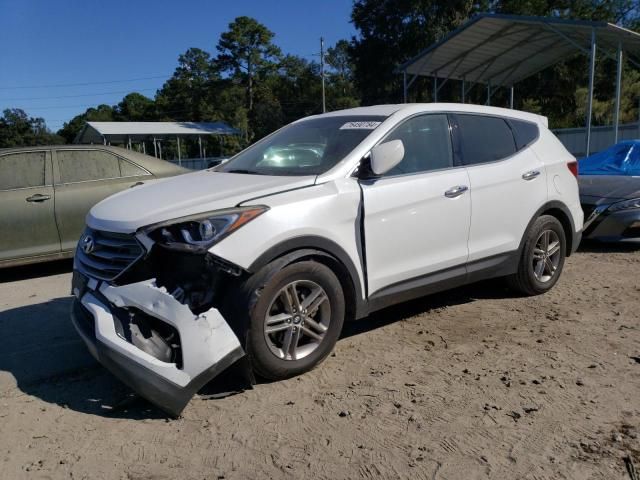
(605, 189)
(198, 192)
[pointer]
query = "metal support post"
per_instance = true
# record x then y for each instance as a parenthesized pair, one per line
(155, 148)
(179, 152)
(404, 86)
(463, 89)
(511, 97)
(324, 104)
(592, 70)
(435, 88)
(200, 145)
(616, 112)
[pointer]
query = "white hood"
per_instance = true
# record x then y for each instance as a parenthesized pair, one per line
(198, 192)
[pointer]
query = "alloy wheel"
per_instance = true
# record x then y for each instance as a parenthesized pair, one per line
(297, 320)
(546, 255)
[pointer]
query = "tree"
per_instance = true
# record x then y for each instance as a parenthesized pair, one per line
(341, 91)
(246, 52)
(390, 33)
(101, 113)
(17, 129)
(135, 107)
(187, 94)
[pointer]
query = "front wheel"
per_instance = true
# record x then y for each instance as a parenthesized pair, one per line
(296, 320)
(542, 257)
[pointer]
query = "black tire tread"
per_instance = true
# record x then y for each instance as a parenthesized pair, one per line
(249, 307)
(522, 280)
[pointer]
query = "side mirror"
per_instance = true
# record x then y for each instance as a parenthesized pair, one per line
(386, 156)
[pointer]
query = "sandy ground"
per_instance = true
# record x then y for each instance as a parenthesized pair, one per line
(474, 383)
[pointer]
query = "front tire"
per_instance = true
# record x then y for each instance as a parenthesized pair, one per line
(542, 257)
(295, 321)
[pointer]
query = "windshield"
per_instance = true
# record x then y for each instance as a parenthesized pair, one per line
(310, 147)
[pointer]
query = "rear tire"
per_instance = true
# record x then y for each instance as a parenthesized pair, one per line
(542, 257)
(295, 319)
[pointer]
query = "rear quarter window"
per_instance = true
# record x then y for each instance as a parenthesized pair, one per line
(484, 139)
(128, 169)
(525, 133)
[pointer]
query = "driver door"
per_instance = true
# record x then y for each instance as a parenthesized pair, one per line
(417, 215)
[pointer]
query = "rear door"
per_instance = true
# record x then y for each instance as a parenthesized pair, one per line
(27, 220)
(507, 181)
(83, 178)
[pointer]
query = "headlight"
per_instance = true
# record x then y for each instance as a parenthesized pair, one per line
(625, 205)
(198, 233)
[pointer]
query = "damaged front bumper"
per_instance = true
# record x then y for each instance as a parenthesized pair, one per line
(118, 324)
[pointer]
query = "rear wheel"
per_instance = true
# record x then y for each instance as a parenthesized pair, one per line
(296, 320)
(542, 257)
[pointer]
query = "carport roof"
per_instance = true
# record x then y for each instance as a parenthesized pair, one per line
(96, 132)
(504, 49)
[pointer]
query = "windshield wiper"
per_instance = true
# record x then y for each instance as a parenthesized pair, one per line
(241, 170)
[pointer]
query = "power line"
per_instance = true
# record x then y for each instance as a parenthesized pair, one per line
(53, 107)
(61, 85)
(76, 96)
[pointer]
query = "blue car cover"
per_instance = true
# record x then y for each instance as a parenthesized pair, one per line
(621, 159)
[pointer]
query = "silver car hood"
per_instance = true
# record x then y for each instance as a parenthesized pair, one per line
(175, 197)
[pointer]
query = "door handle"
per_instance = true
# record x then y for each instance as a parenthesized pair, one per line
(456, 191)
(530, 175)
(38, 197)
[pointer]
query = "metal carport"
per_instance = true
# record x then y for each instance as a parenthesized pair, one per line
(126, 133)
(501, 50)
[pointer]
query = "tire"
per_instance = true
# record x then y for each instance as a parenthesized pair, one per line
(267, 308)
(530, 279)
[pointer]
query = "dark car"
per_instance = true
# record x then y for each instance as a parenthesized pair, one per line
(610, 193)
(46, 192)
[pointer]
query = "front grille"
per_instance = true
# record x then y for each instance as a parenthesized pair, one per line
(110, 253)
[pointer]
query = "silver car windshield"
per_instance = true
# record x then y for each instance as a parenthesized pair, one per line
(309, 147)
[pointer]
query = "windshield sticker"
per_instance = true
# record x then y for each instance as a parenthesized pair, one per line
(360, 125)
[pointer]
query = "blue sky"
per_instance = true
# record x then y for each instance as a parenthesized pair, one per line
(45, 43)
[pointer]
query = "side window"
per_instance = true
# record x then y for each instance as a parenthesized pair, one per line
(427, 144)
(22, 170)
(128, 169)
(83, 165)
(484, 139)
(524, 132)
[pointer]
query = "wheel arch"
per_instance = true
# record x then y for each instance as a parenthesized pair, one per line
(329, 254)
(562, 213)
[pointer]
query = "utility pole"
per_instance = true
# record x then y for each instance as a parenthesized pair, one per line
(324, 104)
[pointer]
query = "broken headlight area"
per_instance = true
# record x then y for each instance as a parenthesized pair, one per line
(198, 280)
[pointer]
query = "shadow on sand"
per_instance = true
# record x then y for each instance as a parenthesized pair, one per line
(43, 355)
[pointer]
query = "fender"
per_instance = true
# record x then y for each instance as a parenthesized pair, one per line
(304, 246)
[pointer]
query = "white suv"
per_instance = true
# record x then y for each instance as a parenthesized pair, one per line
(325, 220)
